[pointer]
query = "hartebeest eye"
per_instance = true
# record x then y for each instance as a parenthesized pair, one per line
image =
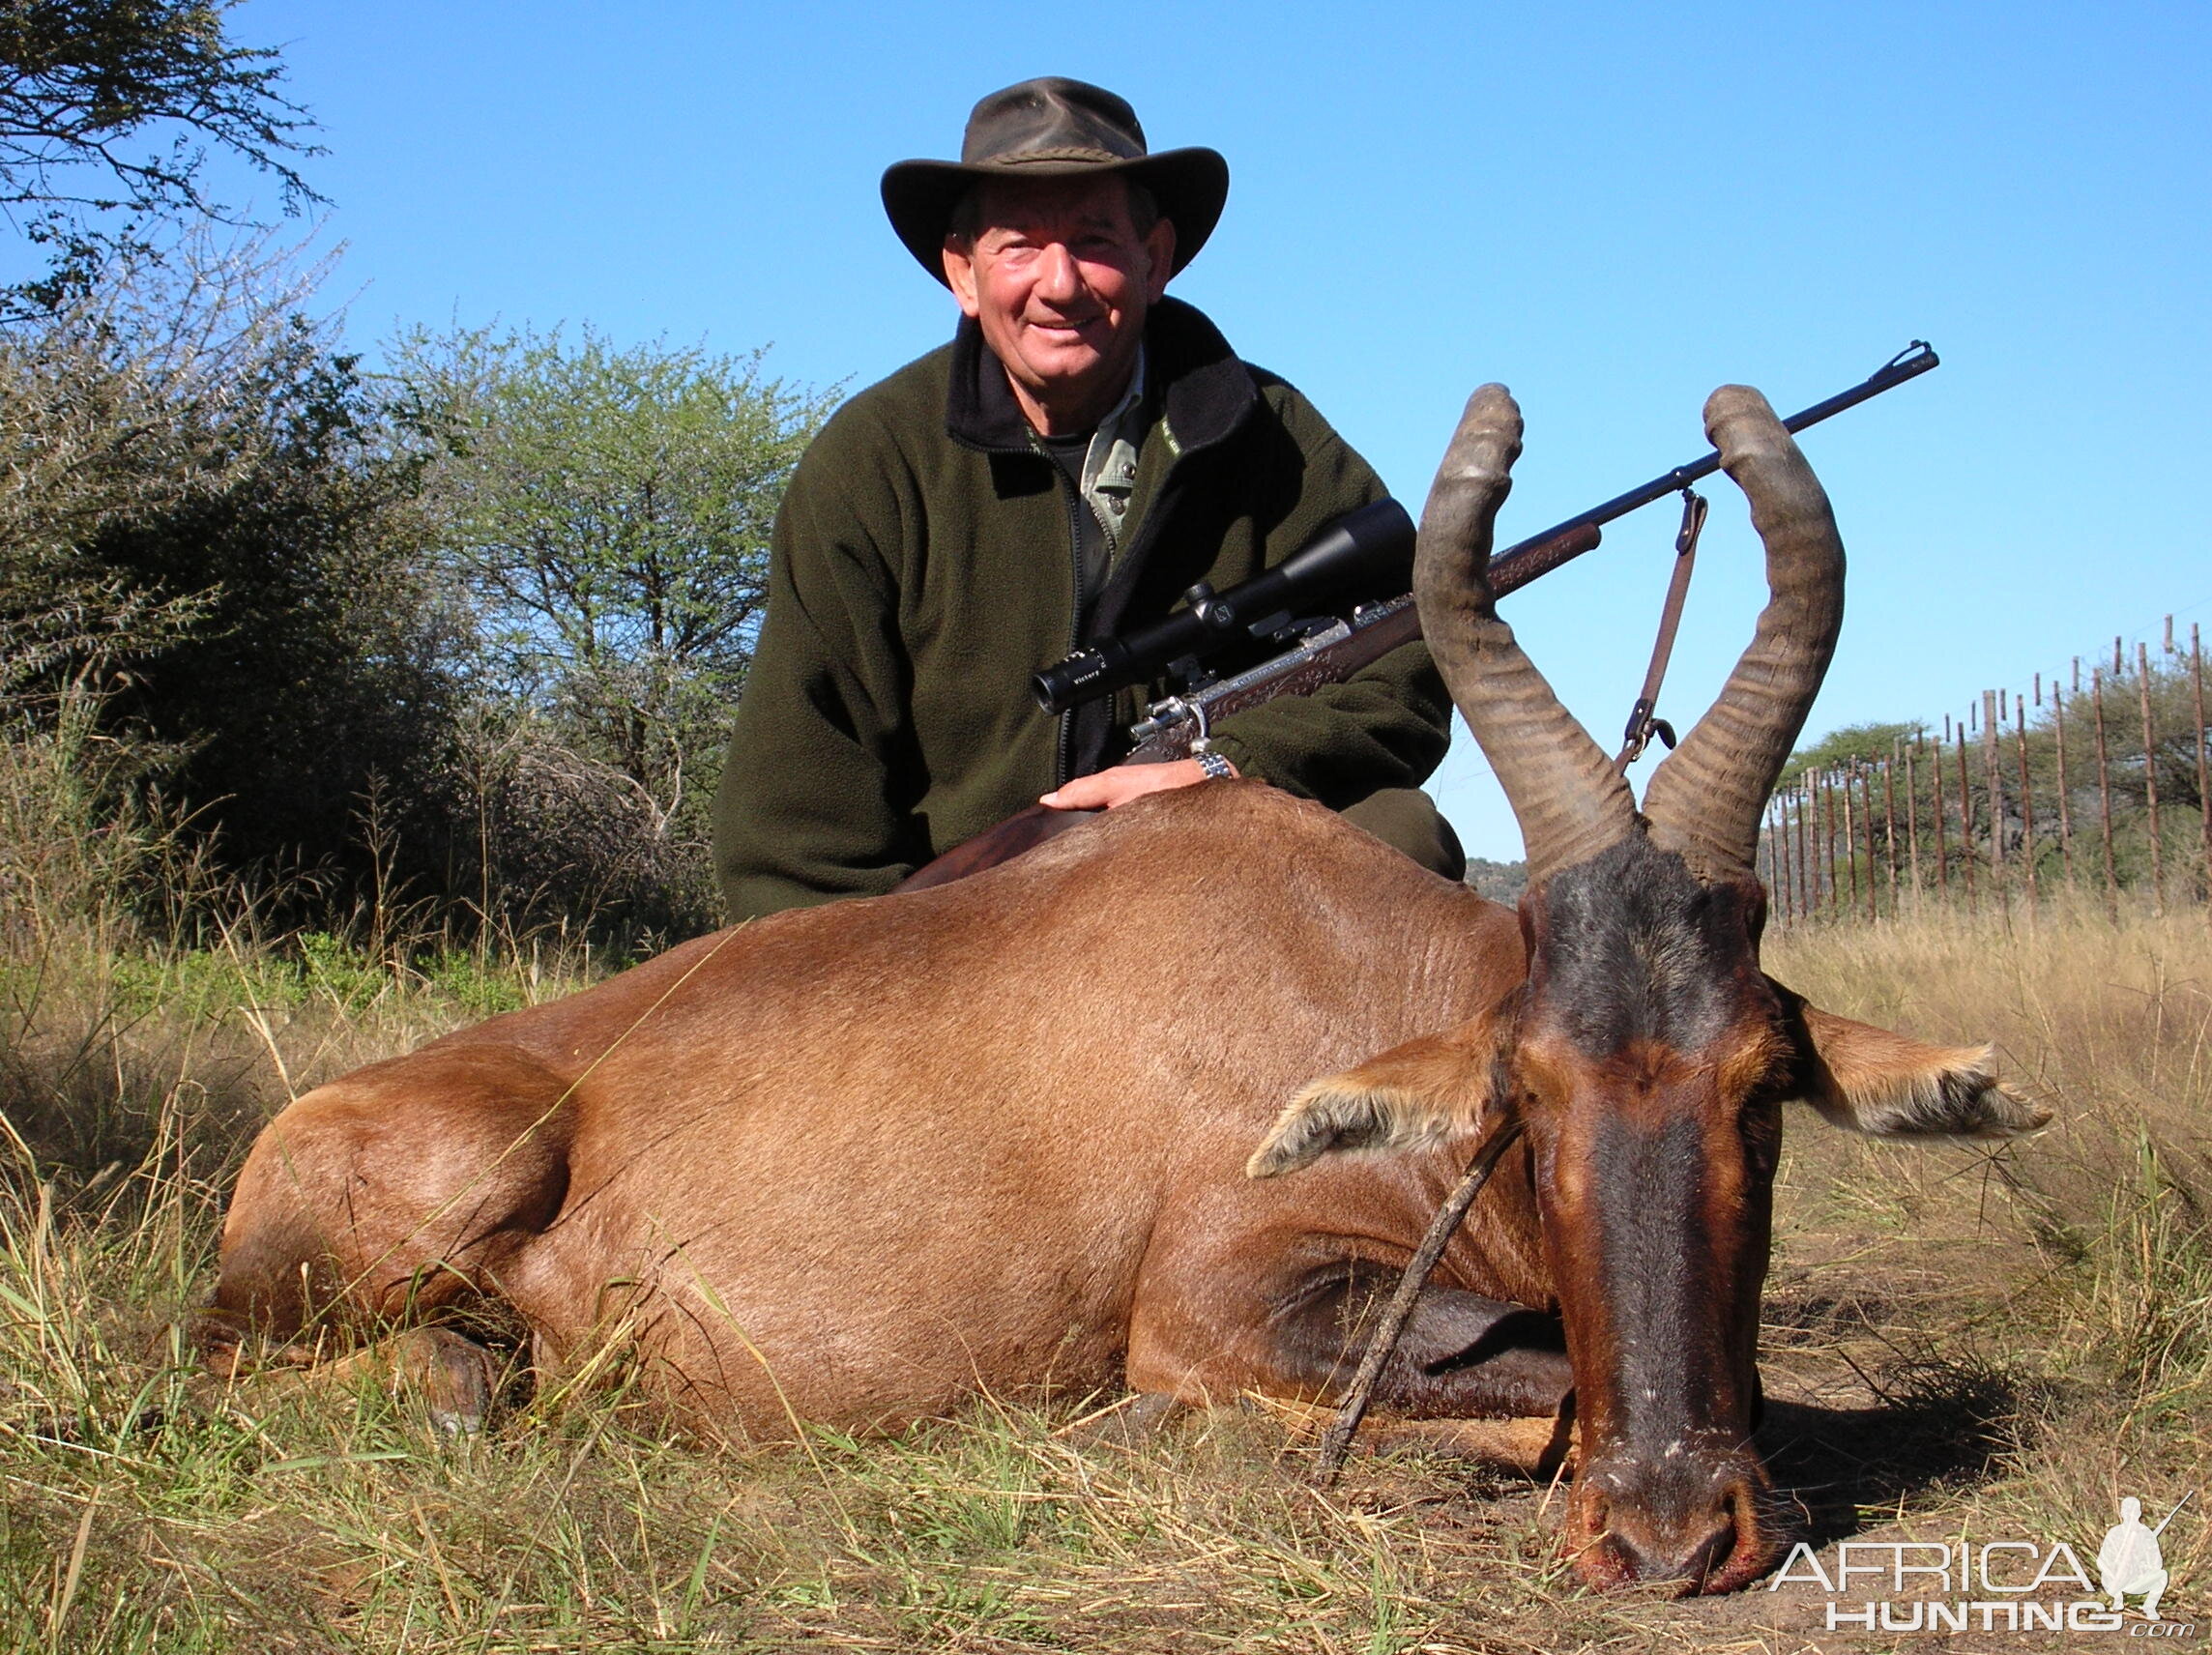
(1761, 1063)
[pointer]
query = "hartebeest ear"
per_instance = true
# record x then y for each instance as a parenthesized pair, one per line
(1871, 1080)
(1407, 1097)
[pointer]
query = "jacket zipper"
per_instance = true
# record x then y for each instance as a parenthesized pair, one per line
(1123, 562)
(1064, 760)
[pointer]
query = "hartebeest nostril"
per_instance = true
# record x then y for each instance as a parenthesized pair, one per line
(1708, 1559)
(1752, 1547)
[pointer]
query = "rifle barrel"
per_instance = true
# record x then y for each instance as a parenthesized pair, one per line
(2171, 1515)
(1540, 554)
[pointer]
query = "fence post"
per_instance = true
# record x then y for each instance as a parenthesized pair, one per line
(1789, 862)
(1785, 896)
(2066, 816)
(1808, 876)
(1807, 866)
(1866, 800)
(1850, 842)
(2151, 781)
(1777, 891)
(2103, 793)
(2203, 793)
(1797, 854)
(1991, 719)
(1763, 849)
(1809, 844)
(2027, 808)
(1965, 821)
(1797, 850)
(1889, 822)
(1942, 858)
(1913, 816)
(1828, 839)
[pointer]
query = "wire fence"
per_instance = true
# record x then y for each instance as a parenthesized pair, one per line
(2092, 781)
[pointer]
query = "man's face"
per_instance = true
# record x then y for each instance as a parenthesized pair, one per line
(1061, 281)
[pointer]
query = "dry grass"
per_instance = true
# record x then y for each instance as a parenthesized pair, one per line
(1958, 1344)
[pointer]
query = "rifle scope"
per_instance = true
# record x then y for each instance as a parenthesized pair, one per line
(1370, 548)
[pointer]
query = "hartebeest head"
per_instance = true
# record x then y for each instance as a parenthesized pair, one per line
(1646, 1052)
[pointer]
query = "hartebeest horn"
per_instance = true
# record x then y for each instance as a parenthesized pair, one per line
(1708, 797)
(1570, 802)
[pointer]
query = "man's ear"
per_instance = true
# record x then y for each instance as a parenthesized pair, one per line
(1159, 247)
(960, 273)
(1407, 1097)
(1873, 1080)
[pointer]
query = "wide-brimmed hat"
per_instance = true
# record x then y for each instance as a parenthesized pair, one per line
(1054, 128)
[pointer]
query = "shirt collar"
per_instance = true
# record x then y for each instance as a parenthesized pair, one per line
(1110, 463)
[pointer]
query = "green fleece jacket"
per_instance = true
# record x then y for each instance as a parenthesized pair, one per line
(924, 566)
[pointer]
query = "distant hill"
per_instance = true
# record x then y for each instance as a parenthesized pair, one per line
(1500, 882)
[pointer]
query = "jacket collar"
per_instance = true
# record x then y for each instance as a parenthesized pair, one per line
(1203, 392)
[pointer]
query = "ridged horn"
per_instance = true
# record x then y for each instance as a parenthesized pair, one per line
(1570, 802)
(1708, 798)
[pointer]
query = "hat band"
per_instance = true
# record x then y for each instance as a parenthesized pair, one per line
(1032, 158)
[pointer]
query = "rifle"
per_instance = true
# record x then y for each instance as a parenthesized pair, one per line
(1364, 546)
(1318, 653)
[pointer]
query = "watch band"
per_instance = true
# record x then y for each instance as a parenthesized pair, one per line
(1215, 767)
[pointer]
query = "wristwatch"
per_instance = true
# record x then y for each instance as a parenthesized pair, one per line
(1215, 767)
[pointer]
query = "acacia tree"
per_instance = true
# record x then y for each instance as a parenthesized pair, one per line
(607, 510)
(82, 82)
(204, 524)
(1853, 745)
(156, 386)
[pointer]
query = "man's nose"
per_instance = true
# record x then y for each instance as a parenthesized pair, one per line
(1058, 278)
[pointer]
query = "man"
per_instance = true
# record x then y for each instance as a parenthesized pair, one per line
(1082, 453)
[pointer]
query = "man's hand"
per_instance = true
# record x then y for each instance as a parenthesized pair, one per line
(1105, 789)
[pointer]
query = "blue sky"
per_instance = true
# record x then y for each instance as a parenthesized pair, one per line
(1612, 208)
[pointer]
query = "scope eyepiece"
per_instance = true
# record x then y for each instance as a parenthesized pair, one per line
(1371, 549)
(1083, 677)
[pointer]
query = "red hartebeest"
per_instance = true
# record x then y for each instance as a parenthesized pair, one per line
(851, 1163)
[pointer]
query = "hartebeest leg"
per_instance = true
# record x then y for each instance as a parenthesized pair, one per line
(395, 1194)
(1462, 1355)
(456, 1378)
